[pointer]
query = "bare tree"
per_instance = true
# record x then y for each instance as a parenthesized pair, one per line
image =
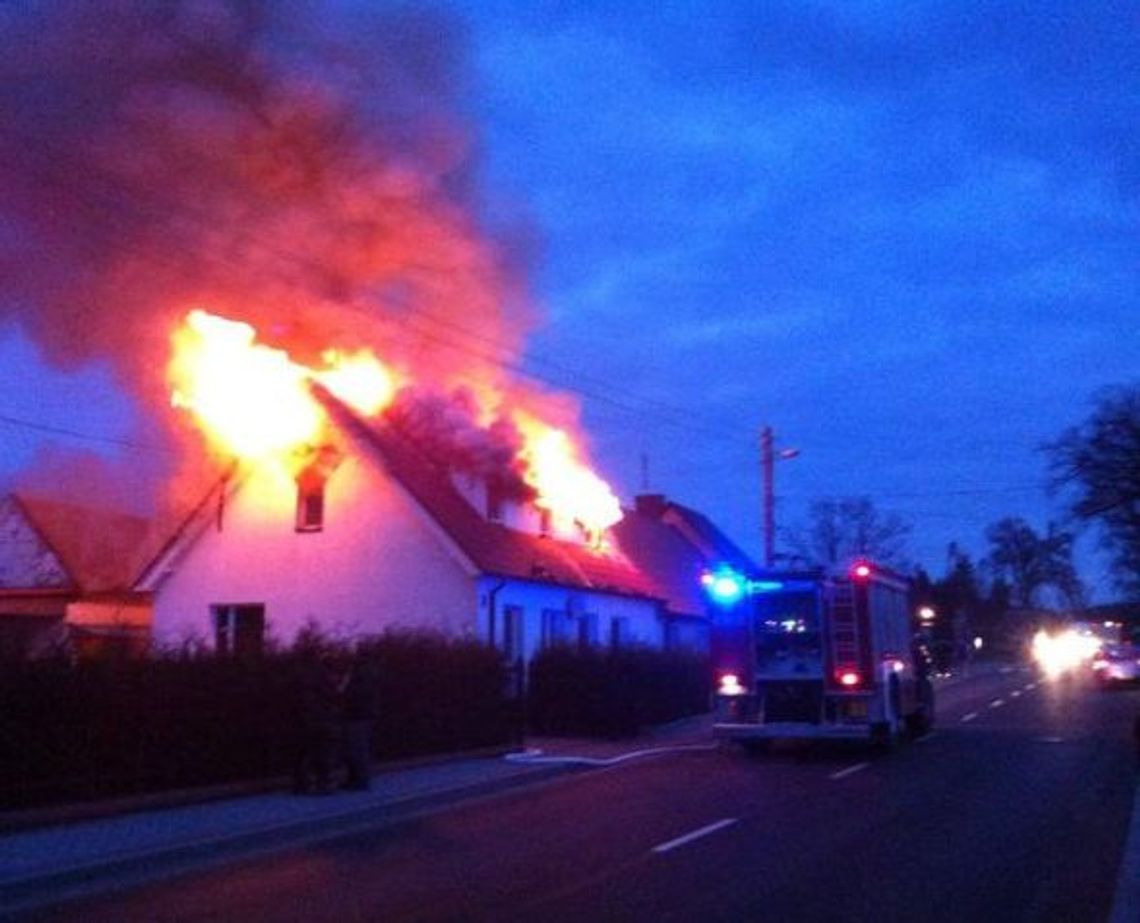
(841, 529)
(1032, 563)
(1097, 464)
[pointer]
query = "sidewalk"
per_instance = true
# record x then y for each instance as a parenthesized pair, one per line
(48, 864)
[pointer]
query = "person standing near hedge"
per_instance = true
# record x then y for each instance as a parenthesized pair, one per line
(318, 711)
(361, 709)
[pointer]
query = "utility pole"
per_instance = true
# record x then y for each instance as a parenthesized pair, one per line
(768, 458)
(768, 477)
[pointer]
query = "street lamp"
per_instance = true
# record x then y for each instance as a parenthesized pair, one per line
(926, 615)
(768, 458)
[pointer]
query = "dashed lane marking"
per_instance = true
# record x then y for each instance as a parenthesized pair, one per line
(694, 835)
(1015, 694)
(849, 771)
(970, 717)
(997, 703)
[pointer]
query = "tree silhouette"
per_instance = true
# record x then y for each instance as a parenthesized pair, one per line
(842, 529)
(1031, 563)
(1097, 464)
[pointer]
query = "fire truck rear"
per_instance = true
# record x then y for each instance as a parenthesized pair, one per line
(809, 656)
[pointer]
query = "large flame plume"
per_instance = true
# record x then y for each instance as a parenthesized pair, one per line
(307, 172)
(308, 168)
(254, 401)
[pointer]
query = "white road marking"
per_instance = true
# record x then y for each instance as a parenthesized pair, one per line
(997, 703)
(850, 770)
(1051, 740)
(1029, 687)
(927, 736)
(695, 835)
(1015, 693)
(970, 717)
(1006, 670)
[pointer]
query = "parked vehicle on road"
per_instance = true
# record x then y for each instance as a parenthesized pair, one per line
(1116, 664)
(812, 656)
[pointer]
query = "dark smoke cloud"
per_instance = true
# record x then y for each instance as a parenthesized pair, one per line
(446, 428)
(292, 164)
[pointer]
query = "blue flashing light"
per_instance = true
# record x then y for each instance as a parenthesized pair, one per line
(724, 585)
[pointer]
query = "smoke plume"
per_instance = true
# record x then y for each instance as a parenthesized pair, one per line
(307, 170)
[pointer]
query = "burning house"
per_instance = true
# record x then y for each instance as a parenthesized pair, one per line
(361, 507)
(267, 226)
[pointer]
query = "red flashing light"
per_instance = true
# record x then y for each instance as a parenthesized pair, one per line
(730, 685)
(848, 678)
(861, 571)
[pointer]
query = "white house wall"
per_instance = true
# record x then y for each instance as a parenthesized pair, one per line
(377, 563)
(641, 623)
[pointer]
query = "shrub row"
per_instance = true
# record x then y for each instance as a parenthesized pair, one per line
(102, 728)
(614, 693)
(93, 729)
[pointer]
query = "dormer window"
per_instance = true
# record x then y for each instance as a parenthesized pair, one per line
(319, 464)
(310, 502)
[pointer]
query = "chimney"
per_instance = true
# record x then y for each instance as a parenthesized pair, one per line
(653, 505)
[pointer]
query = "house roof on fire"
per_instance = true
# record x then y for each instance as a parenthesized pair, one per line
(491, 547)
(664, 546)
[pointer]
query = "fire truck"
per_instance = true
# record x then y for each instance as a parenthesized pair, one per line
(810, 655)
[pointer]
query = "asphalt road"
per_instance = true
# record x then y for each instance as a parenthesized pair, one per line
(1016, 808)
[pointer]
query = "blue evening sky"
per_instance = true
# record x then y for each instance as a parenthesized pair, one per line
(903, 235)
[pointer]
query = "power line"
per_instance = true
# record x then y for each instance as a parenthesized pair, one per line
(152, 206)
(86, 437)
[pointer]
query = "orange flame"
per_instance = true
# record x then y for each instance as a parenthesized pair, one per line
(565, 485)
(253, 401)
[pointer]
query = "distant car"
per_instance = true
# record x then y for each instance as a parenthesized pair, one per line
(1115, 664)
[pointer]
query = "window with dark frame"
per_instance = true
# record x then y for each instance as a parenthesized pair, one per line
(556, 625)
(239, 629)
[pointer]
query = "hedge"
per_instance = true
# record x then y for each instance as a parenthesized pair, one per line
(94, 729)
(614, 693)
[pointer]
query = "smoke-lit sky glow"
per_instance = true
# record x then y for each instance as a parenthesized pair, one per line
(905, 236)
